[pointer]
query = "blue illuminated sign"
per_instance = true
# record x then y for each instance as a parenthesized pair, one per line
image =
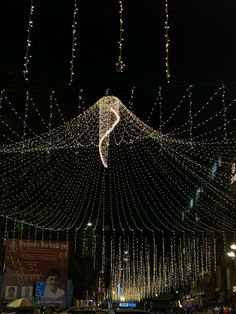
(39, 289)
(124, 304)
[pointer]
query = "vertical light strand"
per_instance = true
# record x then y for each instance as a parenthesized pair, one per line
(171, 261)
(160, 109)
(133, 264)
(214, 253)
(153, 287)
(1, 98)
(190, 115)
(80, 102)
(94, 249)
(174, 260)
(152, 109)
(184, 256)
(202, 255)
(75, 240)
(25, 119)
(6, 231)
(28, 43)
(74, 42)
(50, 120)
(163, 263)
(206, 254)
(131, 101)
(197, 257)
(224, 112)
(167, 42)
(194, 258)
(120, 63)
(181, 265)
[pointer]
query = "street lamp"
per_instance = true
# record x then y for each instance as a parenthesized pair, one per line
(233, 246)
(232, 254)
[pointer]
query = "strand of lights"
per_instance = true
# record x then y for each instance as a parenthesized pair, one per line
(190, 116)
(54, 101)
(224, 112)
(80, 102)
(153, 107)
(211, 98)
(167, 42)
(1, 98)
(129, 177)
(160, 109)
(214, 254)
(112, 180)
(74, 42)
(131, 101)
(25, 119)
(28, 42)
(37, 112)
(177, 107)
(5, 230)
(120, 63)
(148, 194)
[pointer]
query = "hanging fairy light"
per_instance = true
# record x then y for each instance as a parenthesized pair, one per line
(28, 42)
(167, 42)
(74, 42)
(120, 63)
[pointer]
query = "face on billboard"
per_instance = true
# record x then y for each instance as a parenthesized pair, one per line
(53, 282)
(10, 292)
(28, 262)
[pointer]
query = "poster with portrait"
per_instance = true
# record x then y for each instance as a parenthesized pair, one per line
(28, 262)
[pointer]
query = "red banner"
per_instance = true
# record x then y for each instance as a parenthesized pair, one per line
(28, 262)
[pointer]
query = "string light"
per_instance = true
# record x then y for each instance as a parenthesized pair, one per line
(74, 42)
(131, 102)
(167, 42)
(28, 42)
(146, 189)
(120, 63)
(190, 116)
(224, 112)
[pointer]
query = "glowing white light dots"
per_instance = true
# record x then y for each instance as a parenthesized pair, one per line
(167, 42)
(28, 43)
(106, 165)
(120, 63)
(74, 42)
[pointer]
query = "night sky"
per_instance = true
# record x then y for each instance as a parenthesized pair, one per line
(202, 47)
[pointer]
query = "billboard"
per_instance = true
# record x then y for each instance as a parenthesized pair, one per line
(31, 264)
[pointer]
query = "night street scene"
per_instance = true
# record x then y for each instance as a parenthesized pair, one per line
(117, 157)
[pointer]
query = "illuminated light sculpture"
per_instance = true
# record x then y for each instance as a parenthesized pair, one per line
(108, 119)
